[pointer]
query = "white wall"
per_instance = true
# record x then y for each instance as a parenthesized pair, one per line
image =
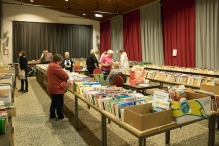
(38, 14)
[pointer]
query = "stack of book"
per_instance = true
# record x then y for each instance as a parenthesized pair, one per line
(113, 99)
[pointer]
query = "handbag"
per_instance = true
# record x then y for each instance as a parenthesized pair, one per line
(21, 75)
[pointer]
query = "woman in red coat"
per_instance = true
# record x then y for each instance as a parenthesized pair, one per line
(56, 86)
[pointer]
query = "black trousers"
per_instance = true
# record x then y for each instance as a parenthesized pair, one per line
(56, 106)
(24, 81)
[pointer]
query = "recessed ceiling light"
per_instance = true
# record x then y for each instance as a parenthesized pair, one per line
(84, 14)
(31, 1)
(66, 0)
(98, 15)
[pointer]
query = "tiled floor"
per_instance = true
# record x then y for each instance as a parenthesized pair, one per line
(32, 125)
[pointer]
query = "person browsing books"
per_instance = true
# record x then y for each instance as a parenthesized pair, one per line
(107, 63)
(67, 63)
(116, 69)
(124, 62)
(56, 87)
(91, 61)
(23, 71)
(102, 55)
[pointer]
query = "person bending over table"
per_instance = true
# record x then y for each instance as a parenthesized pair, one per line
(107, 63)
(114, 72)
(67, 63)
(56, 87)
(92, 62)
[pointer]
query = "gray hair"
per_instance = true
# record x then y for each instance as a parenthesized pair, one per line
(66, 53)
(93, 51)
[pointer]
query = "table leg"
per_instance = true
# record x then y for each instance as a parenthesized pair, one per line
(211, 126)
(141, 141)
(104, 136)
(76, 112)
(217, 122)
(88, 106)
(168, 137)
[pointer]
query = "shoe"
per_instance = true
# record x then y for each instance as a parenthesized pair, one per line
(54, 119)
(63, 120)
(24, 91)
(21, 90)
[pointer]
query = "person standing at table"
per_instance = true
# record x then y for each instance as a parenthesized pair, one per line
(56, 87)
(67, 63)
(92, 62)
(107, 63)
(97, 54)
(23, 71)
(102, 55)
(124, 62)
(48, 56)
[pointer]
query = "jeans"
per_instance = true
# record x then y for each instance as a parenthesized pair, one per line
(56, 104)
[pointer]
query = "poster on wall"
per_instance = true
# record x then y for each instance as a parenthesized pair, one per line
(174, 52)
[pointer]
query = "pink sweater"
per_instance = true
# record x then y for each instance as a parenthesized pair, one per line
(107, 59)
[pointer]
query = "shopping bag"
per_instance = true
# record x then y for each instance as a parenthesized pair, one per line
(98, 77)
(21, 75)
(132, 78)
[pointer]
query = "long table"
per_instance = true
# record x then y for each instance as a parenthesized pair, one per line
(142, 135)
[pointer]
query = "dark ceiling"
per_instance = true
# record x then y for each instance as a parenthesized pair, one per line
(78, 7)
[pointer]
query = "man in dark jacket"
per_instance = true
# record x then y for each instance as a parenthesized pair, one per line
(67, 63)
(23, 71)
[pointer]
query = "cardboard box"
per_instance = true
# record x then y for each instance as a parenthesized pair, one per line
(6, 92)
(141, 118)
(198, 106)
(12, 112)
(209, 88)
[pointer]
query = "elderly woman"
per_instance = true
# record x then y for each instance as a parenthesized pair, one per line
(107, 62)
(67, 63)
(91, 61)
(56, 86)
(114, 72)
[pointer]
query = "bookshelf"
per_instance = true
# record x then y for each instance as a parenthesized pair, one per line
(164, 81)
(186, 72)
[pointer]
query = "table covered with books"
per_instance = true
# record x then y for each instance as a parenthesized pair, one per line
(141, 88)
(7, 110)
(162, 112)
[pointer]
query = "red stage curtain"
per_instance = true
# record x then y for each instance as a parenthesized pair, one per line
(179, 32)
(105, 42)
(132, 36)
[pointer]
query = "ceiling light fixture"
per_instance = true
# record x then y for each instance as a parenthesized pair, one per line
(66, 0)
(31, 1)
(98, 15)
(84, 14)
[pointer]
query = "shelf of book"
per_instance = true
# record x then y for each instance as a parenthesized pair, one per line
(195, 73)
(163, 81)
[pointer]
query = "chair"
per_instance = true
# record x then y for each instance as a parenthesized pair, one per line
(76, 67)
(118, 80)
(97, 71)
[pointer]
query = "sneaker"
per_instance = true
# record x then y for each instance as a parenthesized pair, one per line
(21, 90)
(24, 91)
(63, 120)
